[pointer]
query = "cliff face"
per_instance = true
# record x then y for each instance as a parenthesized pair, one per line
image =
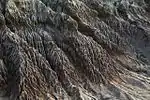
(74, 49)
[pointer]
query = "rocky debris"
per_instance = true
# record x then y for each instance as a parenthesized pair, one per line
(74, 50)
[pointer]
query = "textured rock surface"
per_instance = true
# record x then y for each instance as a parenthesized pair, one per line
(74, 50)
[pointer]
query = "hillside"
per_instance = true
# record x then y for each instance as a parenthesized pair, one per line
(74, 49)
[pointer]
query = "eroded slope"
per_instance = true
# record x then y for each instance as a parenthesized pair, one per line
(74, 50)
